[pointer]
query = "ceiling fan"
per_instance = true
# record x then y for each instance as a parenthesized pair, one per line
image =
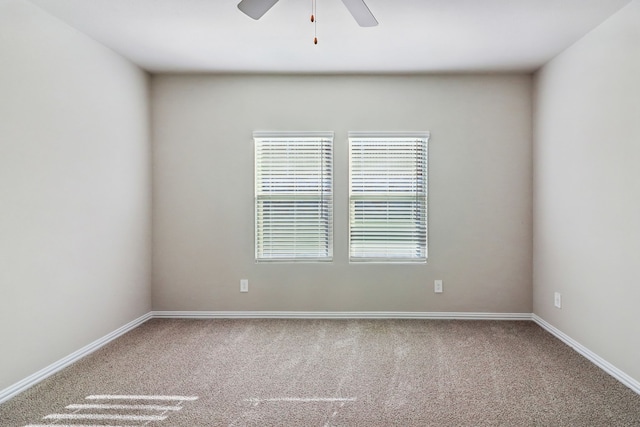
(361, 13)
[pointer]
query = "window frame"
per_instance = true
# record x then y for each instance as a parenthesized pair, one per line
(325, 141)
(422, 136)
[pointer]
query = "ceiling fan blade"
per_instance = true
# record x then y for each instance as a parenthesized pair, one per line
(256, 8)
(361, 13)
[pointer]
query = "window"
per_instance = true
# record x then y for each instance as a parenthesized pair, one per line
(294, 196)
(388, 197)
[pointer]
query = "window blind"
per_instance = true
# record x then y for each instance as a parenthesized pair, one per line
(294, 196)
(388, 197)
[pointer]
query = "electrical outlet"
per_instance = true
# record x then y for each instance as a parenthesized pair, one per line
(244, 285)
(557, 299)
(437, 286)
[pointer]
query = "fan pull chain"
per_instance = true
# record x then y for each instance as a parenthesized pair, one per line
(314, 21)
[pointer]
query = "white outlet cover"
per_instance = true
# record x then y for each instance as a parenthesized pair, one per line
(244, 285)
(557, 299)
(437, 286)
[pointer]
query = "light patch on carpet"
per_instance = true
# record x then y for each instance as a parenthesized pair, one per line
(103, 417)
(302, 399)
(138, 397)
(134, 411)
(125, 407)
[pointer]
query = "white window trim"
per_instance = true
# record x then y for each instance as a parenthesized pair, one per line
(292, 134)
(381, 135)
(402, 134)
(310, 135)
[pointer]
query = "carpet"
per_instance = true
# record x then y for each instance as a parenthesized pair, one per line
(292, 372)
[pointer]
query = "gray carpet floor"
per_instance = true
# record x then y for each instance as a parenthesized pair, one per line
(329, 373)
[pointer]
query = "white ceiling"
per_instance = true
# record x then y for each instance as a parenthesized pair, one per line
(413, 35)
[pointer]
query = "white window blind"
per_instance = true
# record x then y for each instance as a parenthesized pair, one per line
(294, 196)
(388, 197)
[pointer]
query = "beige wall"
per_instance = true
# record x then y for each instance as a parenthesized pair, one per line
(74, 191)
(479, 191)
(587, 190)
(75, 229)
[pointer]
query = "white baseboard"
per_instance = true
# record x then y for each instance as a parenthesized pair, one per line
(33, 379)
(594, 358)
(337, 315)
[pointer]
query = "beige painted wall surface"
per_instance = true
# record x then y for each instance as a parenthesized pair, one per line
(74, 191)
(587, 190)
(479, 201)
